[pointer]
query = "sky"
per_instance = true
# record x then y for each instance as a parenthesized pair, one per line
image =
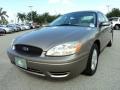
(56, 6)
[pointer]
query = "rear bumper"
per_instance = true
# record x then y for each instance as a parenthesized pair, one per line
(53, 67)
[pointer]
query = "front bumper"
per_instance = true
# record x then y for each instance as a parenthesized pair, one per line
(53, 67)
(2, 32)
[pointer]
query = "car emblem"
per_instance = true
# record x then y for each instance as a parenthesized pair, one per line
(25, 49)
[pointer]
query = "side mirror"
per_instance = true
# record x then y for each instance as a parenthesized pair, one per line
(104, 24)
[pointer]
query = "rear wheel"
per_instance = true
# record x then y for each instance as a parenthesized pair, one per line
(92, 61)
(117, 27)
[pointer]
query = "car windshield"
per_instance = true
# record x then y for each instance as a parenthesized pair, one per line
(2, 25)
(85, 19)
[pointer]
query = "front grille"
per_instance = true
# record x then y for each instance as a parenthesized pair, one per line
(28, 50)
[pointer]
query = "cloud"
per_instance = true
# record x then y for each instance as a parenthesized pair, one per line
(60, 1)
(61, 6)
(53, 1)
(66, 1)
(103, 8)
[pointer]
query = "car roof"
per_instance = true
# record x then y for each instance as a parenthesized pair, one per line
(93, 11)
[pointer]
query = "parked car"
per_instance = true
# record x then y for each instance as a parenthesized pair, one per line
(14, 27)
(20, 26)
(27, 27)
(70, 45)
(115, 22)
(30, 25)
(6, 29)
(2, 31)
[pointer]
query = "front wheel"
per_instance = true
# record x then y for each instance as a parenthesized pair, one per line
(4, 32)
(92, 61)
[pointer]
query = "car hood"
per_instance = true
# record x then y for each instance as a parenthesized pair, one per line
(48, 37)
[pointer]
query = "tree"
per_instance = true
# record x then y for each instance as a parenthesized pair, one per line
(3, 16)
(21, 16)
(51, 18)
(46, 17)
(4, 21)
(40, 19)
(32, 16)
(114, 13)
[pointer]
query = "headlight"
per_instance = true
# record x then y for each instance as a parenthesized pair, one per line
(64, 49)
(7, 29)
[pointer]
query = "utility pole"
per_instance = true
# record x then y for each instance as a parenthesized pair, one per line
(31, 12)
(108, 8)
(108, 5)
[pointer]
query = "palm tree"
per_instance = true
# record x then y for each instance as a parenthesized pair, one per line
(3, 15)
(21, 16)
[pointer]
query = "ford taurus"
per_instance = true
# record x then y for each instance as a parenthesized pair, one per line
(68, 46)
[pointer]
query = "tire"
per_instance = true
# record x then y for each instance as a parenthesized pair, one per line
(5, 32)
(92, 61)
(117, 27)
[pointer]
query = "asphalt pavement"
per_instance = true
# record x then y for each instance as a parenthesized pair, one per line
(107, 76)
